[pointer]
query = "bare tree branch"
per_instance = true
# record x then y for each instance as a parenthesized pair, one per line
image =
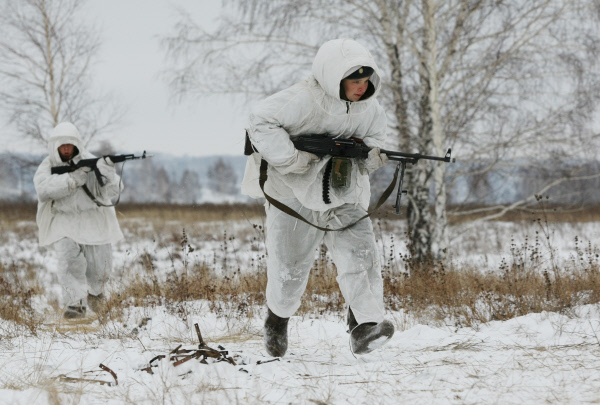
(46, 58)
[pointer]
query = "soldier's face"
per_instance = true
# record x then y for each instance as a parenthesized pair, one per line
(66, 151)
(355, 88)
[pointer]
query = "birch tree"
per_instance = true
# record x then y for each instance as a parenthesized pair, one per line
(502, 82)
(47, 51)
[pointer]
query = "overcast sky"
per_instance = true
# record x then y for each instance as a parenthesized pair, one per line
(128, 66)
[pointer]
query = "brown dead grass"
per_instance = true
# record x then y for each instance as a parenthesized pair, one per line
(191, 213)
(524, 283)
(25, 211)
(18, 286)
(467, 296)
(551, 213)
(238, 294)
(12, 212)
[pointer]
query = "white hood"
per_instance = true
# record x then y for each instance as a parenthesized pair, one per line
(314, 106)
(64, 133)
(337, 59)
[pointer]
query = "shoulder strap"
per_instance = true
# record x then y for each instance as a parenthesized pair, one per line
(94, 199)
(263, 178)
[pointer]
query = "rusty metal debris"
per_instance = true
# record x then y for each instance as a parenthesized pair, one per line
(150, 365)
(179, 356)
(65, 378)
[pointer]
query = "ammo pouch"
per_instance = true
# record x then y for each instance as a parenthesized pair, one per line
(341, 172)
(338, 173)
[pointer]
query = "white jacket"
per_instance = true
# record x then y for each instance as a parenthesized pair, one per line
(67, 211)
(314, 106)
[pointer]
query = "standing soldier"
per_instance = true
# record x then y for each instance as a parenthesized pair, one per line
(337, 100)
(76, 216)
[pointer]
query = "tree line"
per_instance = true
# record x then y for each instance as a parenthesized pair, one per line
(145, 182)
(171, 181)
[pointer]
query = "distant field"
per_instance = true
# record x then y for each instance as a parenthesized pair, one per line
(212, 212)
(166, 212)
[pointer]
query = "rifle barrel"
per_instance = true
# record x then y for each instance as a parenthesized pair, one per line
(416, 156)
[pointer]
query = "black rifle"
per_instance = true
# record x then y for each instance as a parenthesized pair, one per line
(93, 164)
(323, 145)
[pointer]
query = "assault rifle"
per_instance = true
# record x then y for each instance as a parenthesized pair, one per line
(322, 145)
(93, 164)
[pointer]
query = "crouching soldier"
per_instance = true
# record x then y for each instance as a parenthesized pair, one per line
(76, 216)
(338, 99)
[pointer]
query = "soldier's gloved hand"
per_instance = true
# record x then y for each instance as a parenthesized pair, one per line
(108, 161)
(78, 178)
(375, 160)
(300, 164)
(107, 170)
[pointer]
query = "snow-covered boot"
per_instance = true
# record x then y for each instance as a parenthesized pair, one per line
(276, 341)
(366, 337)
(74, 312)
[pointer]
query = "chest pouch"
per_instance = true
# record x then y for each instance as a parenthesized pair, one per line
(341, 172)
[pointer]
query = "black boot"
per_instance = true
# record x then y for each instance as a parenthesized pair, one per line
(74, 312)
(366, 337)
(276, 334)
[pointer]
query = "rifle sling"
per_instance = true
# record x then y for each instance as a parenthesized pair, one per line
(263, 178)
(94, 199)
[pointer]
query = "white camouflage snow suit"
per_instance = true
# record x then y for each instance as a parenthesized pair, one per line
(67, 218)
(314, 106)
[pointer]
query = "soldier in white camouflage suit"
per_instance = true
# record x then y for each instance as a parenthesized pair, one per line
(338, 100)
(79, 228)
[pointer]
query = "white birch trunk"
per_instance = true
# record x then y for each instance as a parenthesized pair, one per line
(439, 238)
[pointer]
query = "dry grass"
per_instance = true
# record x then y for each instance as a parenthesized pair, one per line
(467, 297)
(18, 286)
(237, 294)
(464, 296)
(191, 213)
(10, 213)
(24, 211)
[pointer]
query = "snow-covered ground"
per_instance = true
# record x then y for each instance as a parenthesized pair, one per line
(534, 359)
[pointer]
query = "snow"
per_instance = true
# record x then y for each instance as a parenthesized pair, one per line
(539, 358)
